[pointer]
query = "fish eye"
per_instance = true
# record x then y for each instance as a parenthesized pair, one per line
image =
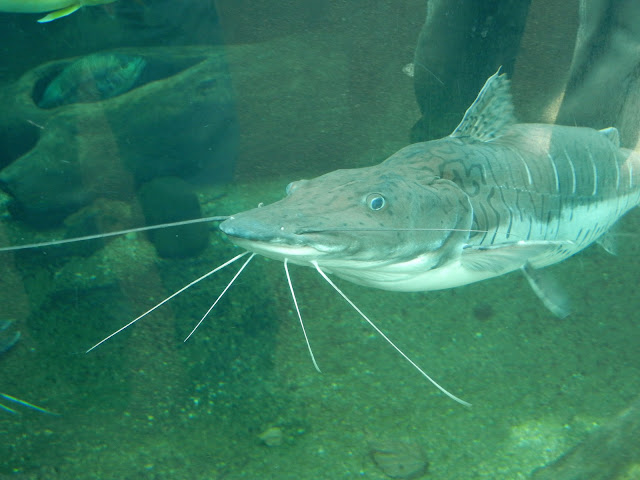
(376, 201)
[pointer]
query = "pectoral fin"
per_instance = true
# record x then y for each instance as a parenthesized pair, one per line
(548, 291)
(506, 257)
(63, 12)
(609, 242)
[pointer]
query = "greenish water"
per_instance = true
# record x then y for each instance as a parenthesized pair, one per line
(146, 405)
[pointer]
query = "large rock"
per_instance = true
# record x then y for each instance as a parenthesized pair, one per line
(177, 119)
(171, 199)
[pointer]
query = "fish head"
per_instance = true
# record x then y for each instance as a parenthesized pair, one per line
(358, 219)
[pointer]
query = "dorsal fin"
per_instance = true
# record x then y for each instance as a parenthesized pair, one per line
(491, 113)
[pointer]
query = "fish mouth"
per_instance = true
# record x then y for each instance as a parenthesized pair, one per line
(254, 230)
(276, 241)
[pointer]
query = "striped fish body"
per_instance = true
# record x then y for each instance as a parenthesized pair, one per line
(541, 183)
(493, 197)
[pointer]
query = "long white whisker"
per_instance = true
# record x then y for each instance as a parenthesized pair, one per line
(111, 234)
(383, 229)
(221, 295)
(167, 299)
(295, 302)
(424, 374)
